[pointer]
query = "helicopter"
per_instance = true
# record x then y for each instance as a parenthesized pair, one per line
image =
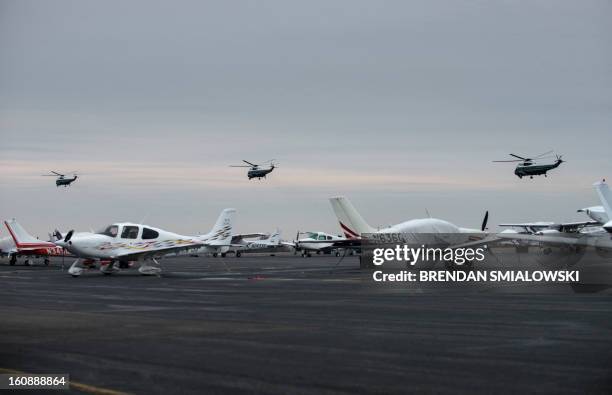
(61, 178)
(528, 167)
(256, 171)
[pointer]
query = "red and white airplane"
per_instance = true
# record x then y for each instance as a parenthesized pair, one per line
(21, 243)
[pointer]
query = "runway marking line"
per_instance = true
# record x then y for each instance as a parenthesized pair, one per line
(90, 389)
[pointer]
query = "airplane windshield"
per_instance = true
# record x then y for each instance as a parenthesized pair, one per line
(111, 230)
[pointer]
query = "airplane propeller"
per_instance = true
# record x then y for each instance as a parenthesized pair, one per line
(68, 236)
(297, 241)
(483, 227)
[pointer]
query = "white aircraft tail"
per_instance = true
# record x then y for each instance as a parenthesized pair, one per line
(19, 234)
(605, 196)
(221, 233)
(274, 238)
(351, 222)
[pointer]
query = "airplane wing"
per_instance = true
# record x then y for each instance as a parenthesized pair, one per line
(562, 227)
(248, 236)
(535, 225)
(603, 241)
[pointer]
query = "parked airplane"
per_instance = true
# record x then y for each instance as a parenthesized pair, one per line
(317, 242)
(123, 242)
(596, 213)
(353, 225)
(598, 236)
(21, 243)
(271, 244)
(420, 231)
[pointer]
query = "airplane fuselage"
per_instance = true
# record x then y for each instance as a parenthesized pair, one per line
(128, 239)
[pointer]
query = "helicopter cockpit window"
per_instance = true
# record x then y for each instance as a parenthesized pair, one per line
(129, 232)
(148, 234)
(110, 230)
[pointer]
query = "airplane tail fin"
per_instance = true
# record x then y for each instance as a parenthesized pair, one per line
(20, 236)
(275, 238)
(221, 233)
(603, 191)
(351, 222)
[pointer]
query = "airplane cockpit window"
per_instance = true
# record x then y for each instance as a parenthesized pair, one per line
(129, 232)
(148, 234)
(321, 237)
(110, 230)
(312, 235)
(329, 237)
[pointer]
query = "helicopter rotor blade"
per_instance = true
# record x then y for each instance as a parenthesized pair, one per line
(239, 166)
(513, 160)
(520, 157)
(541, 155)
(56, 173)
(252, 164)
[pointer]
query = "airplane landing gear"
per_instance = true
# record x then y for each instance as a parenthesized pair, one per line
(76, 270)
(46, 261)
(109, 269)
(13, 260)
(150, 270)
(238, 254)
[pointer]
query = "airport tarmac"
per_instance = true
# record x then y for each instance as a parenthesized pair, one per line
(287, 324)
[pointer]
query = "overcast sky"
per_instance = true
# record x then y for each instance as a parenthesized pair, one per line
(399, 105)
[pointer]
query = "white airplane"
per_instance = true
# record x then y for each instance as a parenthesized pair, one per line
(316, 242)
(353, 225)
(418, 231)
(596, 213)
(270, 244)
(124, 242)
(597, 236)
